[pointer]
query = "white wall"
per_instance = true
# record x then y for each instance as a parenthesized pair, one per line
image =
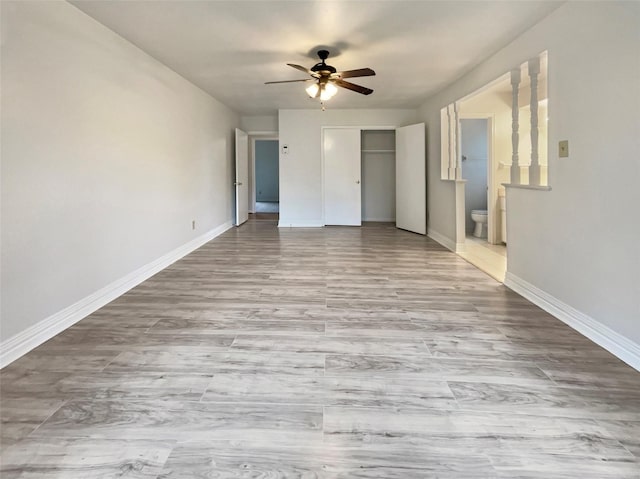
(301, 169)
(107, 157)
(262, 123)
(578, 243)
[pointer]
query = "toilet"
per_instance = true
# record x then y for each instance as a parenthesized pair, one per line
(480, 217)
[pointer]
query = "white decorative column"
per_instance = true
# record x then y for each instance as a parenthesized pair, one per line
(534, 169)
(452, 142)
(458, 144)
(515, 138)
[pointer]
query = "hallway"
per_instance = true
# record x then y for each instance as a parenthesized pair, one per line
(330, 352)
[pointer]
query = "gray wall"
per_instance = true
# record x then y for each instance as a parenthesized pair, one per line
(473, 139)
(378, 175)
(107, 158)
(267, 187)
(378, 187)
(577, 243)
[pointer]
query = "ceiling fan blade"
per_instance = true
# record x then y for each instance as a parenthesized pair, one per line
(301, 68)
(353, 86)
(362, 72)
(287, 81)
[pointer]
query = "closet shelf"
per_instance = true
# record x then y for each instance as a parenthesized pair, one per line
(378, 151)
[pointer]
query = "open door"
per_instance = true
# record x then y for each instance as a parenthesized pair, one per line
(411, 179)
(242, 177)
(342, 167)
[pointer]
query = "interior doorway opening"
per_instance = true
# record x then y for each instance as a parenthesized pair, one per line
(483, 246)
(267, 189)
(264, 176)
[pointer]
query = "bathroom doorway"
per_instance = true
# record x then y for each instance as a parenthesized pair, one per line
(483, 246)
(475, 153)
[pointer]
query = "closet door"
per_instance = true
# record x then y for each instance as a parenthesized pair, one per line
(411, 179)
(341, 176)
(242, 177)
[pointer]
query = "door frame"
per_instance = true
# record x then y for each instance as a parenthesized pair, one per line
(350, 127)
(253, 136)
(492, 187)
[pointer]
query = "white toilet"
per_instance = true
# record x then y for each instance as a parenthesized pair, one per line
(480, 217)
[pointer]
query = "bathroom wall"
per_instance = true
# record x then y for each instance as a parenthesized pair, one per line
(267, 188)
(473, 143)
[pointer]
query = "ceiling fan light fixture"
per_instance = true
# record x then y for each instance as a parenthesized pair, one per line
(312, 90)
(328, 91)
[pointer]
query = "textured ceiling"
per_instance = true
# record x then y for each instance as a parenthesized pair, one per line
(230, 48)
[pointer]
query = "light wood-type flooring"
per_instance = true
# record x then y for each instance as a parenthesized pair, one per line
(320, 353)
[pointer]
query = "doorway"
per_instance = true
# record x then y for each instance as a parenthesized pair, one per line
(474, 147)
(264, 175)
(480, 150)
(267, 188)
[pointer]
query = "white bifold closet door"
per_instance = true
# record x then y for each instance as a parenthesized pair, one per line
(342, 160)
(411, 179)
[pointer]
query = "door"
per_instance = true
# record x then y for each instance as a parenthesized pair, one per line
(242, 177)
(341, 176)
(411, 179)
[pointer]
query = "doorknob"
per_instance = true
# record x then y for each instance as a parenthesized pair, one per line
(357, 182)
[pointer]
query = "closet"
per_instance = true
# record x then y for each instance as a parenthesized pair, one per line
(378, 153)
(375, 175)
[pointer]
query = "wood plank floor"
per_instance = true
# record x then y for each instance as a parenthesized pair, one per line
(320, 353)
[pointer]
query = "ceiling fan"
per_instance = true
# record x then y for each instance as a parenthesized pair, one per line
(325, 78)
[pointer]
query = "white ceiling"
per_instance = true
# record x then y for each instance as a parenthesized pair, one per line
(230, 48)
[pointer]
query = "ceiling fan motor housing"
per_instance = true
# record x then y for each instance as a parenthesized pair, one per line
(322, 66)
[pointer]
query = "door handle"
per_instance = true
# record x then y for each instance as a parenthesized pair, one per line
(357, 182)
(237, 184)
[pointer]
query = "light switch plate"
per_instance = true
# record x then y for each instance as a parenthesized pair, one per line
(563, 148)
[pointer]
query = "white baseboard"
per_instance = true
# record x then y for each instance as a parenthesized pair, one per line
(443, 240)
(23, 342)
(618, 345)
(380, 220)
(300, 224)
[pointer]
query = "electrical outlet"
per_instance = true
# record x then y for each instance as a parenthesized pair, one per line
(563, 148)
(193, 224)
